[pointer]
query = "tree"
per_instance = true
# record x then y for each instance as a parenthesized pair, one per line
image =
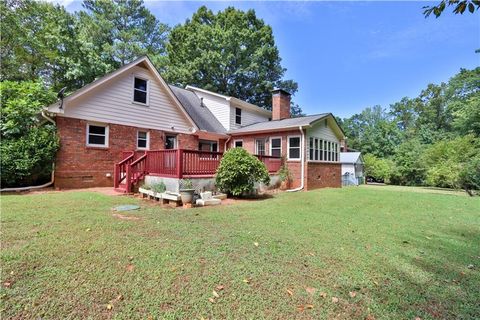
(38, 42)
(460, 6)
(377, 168)
(238, 171)
(231, 52)
(27, 149)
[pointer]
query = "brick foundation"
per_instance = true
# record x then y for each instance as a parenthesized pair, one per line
(323, 175)
(79, 166)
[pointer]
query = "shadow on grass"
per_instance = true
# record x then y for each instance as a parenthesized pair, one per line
(438, 277)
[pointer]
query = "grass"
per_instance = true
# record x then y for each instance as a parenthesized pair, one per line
(402, 254)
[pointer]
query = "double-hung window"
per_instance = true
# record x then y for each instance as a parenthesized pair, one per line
(311, 155)
(143, 140)
(97, 135)
(238, 116)
(140, 91)
(260, 147)
(294, 148)
(276, 147)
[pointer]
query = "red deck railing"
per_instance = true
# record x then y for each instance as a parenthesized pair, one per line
(174, 163)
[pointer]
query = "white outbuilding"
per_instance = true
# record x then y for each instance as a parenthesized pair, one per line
(352, 168)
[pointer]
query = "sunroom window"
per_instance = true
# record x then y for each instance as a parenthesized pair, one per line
(140, 90)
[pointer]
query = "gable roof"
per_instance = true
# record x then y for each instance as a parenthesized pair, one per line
(350, 157)
(203, 117)
(239, 102)
(54, 108)
(278, 125)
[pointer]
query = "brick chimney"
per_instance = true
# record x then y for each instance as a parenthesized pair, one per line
(280, 104)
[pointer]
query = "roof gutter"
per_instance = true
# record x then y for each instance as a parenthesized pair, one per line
(302, 159)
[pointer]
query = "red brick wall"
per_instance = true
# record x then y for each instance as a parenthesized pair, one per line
(322, 175)
(79, 166)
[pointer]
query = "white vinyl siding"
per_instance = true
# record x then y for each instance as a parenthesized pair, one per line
(248, 117)
(111, 102)
(322, 143)
(219, 107)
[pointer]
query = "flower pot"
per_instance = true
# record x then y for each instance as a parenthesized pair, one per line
(187, 195)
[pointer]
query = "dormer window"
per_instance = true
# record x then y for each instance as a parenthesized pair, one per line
(238, 116)
(140, 91)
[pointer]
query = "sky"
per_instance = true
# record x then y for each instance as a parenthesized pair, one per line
(347, 56)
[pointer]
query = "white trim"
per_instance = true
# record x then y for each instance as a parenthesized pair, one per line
(147, 92)
(264, 146)
(277, 137)
(148, 139)
(235, 142)
(288, 148)
(107, 129)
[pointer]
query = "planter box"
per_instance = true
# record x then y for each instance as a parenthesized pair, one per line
(220, 196)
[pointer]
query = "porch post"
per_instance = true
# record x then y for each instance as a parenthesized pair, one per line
(116, 176)
(179, 163)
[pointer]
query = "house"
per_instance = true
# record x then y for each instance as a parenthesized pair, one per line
(130, 125)
(352, 167)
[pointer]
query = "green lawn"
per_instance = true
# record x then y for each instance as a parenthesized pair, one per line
(403, 254)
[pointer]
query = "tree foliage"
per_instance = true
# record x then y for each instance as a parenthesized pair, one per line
(428, 138)
(231, 52)
(459, 7)
(26, 149)
(238, 171)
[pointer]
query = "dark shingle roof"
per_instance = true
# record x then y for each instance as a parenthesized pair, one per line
(200, 114)
(280, 124)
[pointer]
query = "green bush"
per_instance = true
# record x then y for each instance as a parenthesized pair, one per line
(378, 168)
(27, 149)
(158, 187)
(469, 177)
(238, 172)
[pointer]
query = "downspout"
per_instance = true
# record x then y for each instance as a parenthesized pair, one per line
(52, 178)
(226, 143)
(302, 159)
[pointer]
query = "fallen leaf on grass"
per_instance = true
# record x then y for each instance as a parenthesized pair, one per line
(215, 294)
(246, 280)
(290, 292)
(109, 307)
(310, 290)
(119, 297)
(334, 299)
(7, 284)
(352, 294)
(130, 267)
(300, 308)
(323, 294)
(375, 283)
(219, 287)
(255, 244)
(211, 300)
(309, 306)
(88, 229)
(370, 317)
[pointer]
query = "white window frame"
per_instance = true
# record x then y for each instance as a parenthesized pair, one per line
(241, 116)
(235, 142)
(133, 90)
(299, 147)
(148, 140)
(264, 146)
(106, 135)
(278, 137)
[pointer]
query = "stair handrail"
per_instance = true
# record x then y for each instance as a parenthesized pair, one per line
(117, 174)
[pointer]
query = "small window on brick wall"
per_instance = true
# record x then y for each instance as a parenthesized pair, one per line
(143, 139)
(97, 135)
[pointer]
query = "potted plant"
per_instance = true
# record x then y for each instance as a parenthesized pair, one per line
(158, 189)
(284, 175)
(186, 191)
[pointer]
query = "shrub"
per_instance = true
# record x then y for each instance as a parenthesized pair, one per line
(238, 172)
(158, 187)
(27, 150)
(380, 169)
(284, 173)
